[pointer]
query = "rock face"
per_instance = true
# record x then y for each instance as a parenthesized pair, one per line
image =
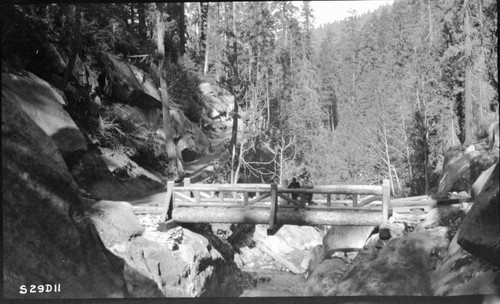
(345, 238)
(44, 105)
(47, 239)
(480, 230)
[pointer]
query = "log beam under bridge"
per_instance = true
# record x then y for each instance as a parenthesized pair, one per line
(290, 216)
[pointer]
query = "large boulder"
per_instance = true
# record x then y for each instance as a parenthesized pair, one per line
(129, 84)
(288, 238)
(345, 238)
(324, 277)
(288, 249)
(216, 98)
(147, 84)
(314, 257)
(118, 162)
(115, 221)
(480, 231)
(461, 169)
(402, 267)
(120, 79)
(47, 239)
(112, 175)
(461, 273)
(44, 105)
(181, 262)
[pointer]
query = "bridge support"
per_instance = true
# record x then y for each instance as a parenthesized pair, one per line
(291, 216)
(383, 230)
(273, 210)
(167, 207)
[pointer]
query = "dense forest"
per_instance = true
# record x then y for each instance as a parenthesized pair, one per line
(383, 97)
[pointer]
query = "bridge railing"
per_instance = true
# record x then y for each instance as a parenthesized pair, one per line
(242, 193)
(234, 203)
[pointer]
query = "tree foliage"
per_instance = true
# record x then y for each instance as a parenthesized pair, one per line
(377, 96)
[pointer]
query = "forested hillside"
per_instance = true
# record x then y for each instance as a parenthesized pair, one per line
(408, 79)
(383, 97)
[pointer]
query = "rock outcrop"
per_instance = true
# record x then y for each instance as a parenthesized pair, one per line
(181, 263)
(461, 169)
(130, 85)
(47, 239)
(111, 175)
(461, 273)
(115, 221)
(44, 105)
(289, 249)
(480, 231)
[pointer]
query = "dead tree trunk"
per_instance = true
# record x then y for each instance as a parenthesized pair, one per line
(205, 66)
(74, 47)
(234, 133)
(468, 80)
(170, 149)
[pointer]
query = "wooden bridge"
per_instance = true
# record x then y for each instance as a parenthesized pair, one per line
(272, 204)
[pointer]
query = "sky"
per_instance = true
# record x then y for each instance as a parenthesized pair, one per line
(330, 11)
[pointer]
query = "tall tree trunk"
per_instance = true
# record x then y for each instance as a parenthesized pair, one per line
(205, 65)
(182, 29)
(132, 16)
(429, 12)
(468, 79)
(203, 11)
(407, 145)
(234, 80)
(426, 143)
(74, 47)
(268, 102)
(141, 11)
(388, 160)
(170, 148)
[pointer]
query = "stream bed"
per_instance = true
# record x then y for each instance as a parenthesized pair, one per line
(251, 282)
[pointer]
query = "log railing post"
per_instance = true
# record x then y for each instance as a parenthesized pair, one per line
(273, 209)
(329, 200)
(355, 199)
(284, 184)
(187, 182)
(197, 196)
(384, 233)
(169, 202)
(245, 198)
